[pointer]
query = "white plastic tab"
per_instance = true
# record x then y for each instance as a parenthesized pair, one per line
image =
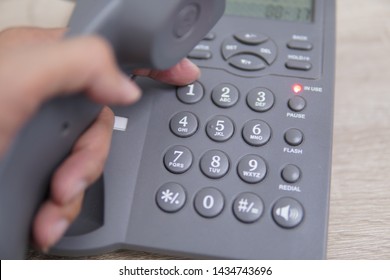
(120, 123)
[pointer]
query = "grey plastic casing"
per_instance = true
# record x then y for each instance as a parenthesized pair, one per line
(121, 212)
(143, 33)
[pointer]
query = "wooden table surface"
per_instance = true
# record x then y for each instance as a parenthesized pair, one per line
(359, 224)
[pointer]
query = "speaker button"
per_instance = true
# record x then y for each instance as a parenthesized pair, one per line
(287, 212)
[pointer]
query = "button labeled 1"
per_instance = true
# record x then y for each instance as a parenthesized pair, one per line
(190, 94)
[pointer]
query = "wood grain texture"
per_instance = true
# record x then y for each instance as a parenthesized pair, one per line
(359, 224)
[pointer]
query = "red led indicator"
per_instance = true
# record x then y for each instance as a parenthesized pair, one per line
(297, 88)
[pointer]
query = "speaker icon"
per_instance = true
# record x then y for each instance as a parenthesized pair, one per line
(288, 213)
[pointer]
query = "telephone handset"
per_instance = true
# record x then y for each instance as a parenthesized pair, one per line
(143, 33)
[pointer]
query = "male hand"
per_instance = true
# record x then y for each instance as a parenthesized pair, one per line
(36, 65)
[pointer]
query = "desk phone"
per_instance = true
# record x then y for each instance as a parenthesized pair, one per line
(236, 165)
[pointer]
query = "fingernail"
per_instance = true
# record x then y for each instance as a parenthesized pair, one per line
(190, 66)
(57, 230)
(131, 92)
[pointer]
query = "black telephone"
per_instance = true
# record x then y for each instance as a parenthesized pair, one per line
(236, 165)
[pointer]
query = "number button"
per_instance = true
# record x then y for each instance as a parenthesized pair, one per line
(220, 128)
(252, 169)
(225, 95)
(256, 132)
(214, 164)
(178, 159)
(184, 124)
(260, 99)
(190, 94)
(171, 197)
(209, 202)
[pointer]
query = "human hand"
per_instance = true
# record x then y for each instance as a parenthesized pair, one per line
(36, 65)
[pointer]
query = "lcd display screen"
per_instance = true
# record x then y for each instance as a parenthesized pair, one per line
(290, 10)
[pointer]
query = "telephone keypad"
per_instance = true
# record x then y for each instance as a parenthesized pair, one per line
(215, 164)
